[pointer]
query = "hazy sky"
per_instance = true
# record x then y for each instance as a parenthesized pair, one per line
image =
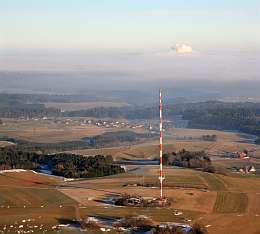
(135, 37)
(129, 24)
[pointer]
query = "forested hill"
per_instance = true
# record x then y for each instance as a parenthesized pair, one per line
(244, 118)
(25, 105)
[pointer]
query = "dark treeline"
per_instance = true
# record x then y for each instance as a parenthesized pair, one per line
(113, 138)
(128, 112)
(46, 147)
(25, 105)
(223, 116)
(28, 111)
(209, 137)
(51, 147)
(67, 165)
(103, 140)
(189, 159)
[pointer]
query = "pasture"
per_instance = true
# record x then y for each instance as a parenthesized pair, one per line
(176, 140)
(55, 130)
(30, 201)
(48, 131)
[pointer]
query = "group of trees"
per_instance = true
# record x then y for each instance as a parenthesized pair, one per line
(113, 138)
(76, 166)
(209, 137)
(196, 229)
(11, 158)
(184, 158)
(51, 147)
(67, 165)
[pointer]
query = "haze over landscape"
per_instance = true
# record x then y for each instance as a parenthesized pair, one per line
(128, 44)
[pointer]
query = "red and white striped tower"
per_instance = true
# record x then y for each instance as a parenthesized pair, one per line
(161, 177)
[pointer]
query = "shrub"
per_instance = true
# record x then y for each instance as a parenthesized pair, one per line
(135, 221)
(198, 229)
(90, 223)
(168, 230)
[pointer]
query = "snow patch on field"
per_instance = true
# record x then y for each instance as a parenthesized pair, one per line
(12, 170)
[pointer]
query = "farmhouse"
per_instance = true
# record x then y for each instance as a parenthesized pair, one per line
(241, 155)
(247, 170)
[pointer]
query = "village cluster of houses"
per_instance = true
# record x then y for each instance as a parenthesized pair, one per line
(151, 126)
(114, 124)
(99, 123)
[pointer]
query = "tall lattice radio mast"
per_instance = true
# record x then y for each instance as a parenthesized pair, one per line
(161, 177)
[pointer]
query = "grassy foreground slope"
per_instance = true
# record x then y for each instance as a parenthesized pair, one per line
(30, 201)
(224, 204)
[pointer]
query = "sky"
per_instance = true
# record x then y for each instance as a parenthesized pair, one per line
(129, 24)
(150, 39)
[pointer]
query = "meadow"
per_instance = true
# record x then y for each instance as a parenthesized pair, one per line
(48, 131)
